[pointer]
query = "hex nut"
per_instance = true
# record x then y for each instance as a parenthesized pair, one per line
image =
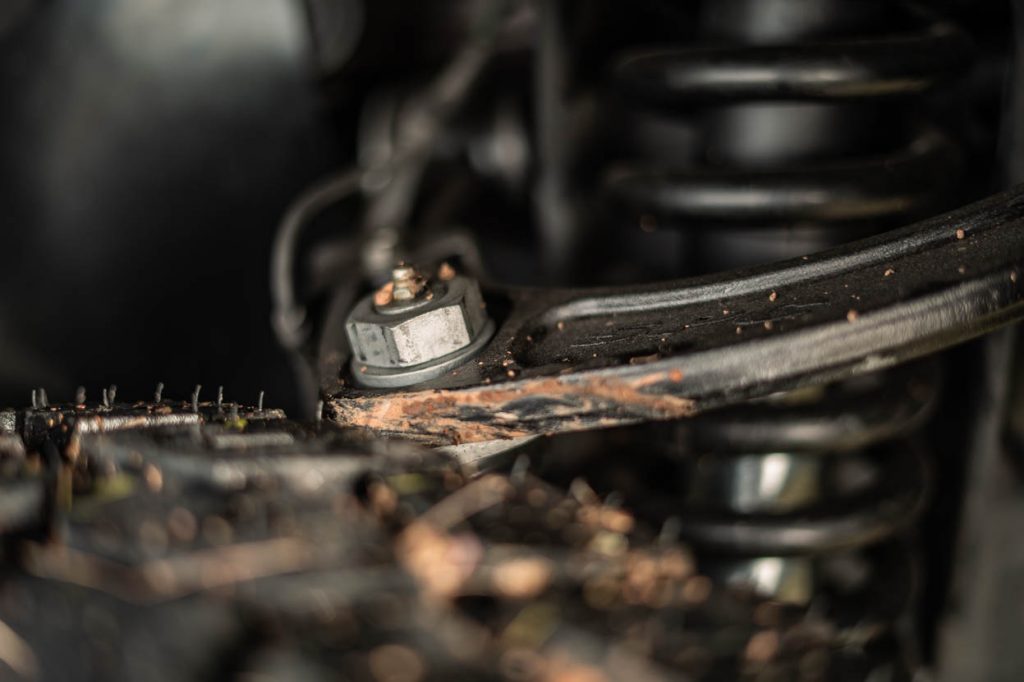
(400, 344)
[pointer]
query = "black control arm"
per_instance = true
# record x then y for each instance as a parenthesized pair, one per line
(565, 360)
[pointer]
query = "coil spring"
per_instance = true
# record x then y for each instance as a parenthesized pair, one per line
(785, 136)
(799, 127)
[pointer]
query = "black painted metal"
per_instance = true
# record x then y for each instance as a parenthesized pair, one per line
(841, 417)
(897, 64)
(724, 339)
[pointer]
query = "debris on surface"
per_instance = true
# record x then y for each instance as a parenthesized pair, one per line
(311, 552)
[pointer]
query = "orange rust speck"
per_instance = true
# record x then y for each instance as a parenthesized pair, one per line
(445, 272)
(676, 375)
(384, 295)
(852, 315)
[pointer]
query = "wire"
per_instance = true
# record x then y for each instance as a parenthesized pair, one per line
(289, 316)
(419, 131)
(390, 207)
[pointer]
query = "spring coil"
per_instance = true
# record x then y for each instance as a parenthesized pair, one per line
(793, 126)
(785, 142)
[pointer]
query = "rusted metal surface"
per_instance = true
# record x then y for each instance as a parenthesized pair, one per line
(65, 424)
(516, 409)
(569, 360)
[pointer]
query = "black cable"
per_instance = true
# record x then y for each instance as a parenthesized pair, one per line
(390, 207)
(288, 315)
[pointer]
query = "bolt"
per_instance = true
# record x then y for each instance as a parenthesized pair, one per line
(403, 272)
(414, 329)
(406, 284)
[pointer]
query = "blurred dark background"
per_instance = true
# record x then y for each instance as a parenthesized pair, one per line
(148, 148)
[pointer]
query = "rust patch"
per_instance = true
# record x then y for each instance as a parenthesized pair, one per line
(102, 424)
(514, 409)
(384, 295)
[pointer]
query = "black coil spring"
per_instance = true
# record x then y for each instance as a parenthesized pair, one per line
(784, 136)
(792, 126)
(809, 499)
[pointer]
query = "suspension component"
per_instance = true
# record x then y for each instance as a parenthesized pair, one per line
(565, 360)
(799, 137)
(412, 330)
